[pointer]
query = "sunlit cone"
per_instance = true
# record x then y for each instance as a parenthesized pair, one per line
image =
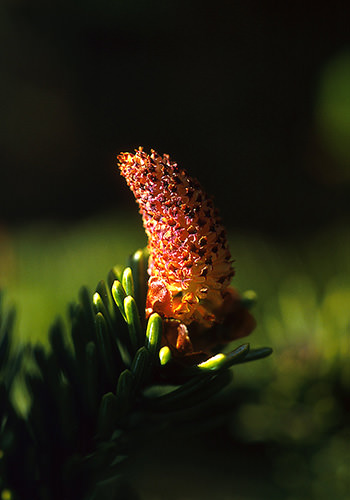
(190, 264)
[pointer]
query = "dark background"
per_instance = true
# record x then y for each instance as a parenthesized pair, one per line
(235, 91)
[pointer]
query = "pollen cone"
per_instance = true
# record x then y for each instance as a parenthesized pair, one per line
(190, 264)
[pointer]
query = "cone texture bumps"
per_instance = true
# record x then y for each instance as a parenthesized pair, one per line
(190, 264)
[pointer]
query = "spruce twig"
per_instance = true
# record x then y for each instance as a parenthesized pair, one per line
(89, 396)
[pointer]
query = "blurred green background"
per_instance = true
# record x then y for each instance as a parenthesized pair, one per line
(253, 98)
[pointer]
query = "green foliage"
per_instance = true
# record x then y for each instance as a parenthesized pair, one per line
(297, 405)
(294, 406)
(93, 390)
